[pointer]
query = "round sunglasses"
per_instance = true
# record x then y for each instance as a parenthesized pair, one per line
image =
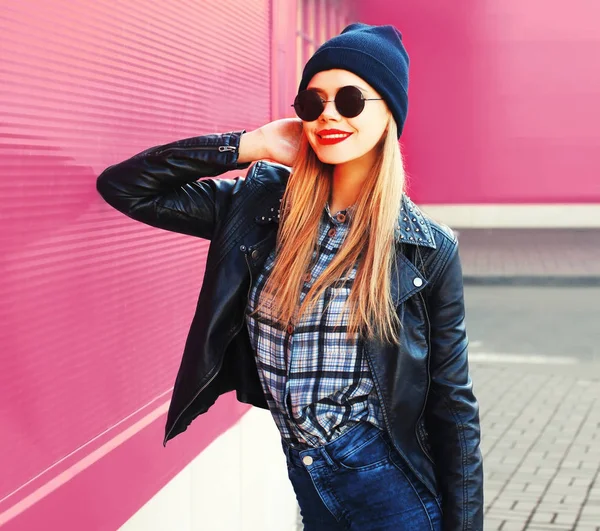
(349, 102)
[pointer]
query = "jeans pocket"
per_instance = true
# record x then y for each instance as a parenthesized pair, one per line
(369, 454)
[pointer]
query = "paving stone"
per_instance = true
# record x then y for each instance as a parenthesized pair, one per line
(492, 524)
(513, 526)
(540, 457)
(548, 527)
(566, 518)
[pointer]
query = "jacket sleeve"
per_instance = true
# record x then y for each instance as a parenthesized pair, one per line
(452, 413)
(160, 186)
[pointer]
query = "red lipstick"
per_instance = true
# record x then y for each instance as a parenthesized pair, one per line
(328, 137)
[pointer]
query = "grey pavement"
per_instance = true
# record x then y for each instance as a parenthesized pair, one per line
(541, 445)
(530, 256)
(535, 362)
(547, 321)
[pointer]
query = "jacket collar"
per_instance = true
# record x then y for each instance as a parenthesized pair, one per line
(413, 227)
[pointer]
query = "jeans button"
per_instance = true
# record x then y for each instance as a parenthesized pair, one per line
(307, 460)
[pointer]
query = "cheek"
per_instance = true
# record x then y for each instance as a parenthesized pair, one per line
(370, 132)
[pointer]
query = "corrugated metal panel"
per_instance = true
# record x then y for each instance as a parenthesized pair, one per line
(94, 308)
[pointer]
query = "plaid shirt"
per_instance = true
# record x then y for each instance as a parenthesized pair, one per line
(317, 383)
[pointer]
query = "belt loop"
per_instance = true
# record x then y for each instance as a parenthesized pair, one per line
(328, 458)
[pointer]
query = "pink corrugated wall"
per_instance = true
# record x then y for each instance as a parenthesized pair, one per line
(504, 101)
(94, 307)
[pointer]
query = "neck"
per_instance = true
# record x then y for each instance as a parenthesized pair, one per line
(347, 183)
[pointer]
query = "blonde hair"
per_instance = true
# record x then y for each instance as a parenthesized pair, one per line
(370, 242)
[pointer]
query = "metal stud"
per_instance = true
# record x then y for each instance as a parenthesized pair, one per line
(417, 229)
(263, 218)
(408, 228)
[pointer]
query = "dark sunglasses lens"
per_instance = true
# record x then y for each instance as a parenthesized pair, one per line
(308, 105)
(349, 101)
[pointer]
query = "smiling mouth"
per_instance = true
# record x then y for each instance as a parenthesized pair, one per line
(334, 138)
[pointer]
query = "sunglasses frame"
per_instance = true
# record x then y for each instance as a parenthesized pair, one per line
(324, 102)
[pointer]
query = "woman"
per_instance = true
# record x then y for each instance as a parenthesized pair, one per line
(328, 296)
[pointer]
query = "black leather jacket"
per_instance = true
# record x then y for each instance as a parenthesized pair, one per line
(423, 385)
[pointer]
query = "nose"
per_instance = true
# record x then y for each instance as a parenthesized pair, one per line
(330, 111)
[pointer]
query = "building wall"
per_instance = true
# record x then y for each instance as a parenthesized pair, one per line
(94, 307)
(238, 483)
(503, 101)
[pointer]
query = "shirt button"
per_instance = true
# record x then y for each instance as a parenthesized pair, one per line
(331, 233)
(254, 254)
(341, 217)
(418, 282)
(307, 460)
(290, 329)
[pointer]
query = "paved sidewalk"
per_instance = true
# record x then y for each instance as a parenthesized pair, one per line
(541, 445)
(530, 256)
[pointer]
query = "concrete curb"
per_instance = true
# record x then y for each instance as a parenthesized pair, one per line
(531, 280)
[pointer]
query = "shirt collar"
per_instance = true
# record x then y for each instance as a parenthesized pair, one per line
(347, 212)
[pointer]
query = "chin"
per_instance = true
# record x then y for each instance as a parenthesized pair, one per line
(329, 156)
(332, 160)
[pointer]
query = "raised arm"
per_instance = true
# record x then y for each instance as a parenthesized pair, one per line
(160, 186)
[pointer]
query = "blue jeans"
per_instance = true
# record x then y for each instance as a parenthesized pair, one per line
(359, 482)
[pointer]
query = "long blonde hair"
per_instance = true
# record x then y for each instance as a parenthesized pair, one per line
(370, 242)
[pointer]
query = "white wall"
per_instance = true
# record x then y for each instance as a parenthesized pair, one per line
(567, 216)
(238, 483)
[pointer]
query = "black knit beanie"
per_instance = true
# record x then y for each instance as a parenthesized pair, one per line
(375, 54)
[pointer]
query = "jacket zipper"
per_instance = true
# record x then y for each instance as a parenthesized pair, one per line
(233, 333)
(220, 149)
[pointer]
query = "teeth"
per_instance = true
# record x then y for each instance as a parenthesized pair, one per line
(335, 136)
